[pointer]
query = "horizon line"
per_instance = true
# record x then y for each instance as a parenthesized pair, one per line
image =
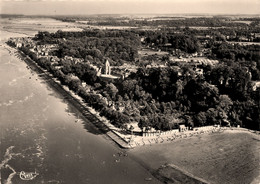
(130, 14)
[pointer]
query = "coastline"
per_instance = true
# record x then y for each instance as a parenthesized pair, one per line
(89, 114)
(102, 125)
(55, 134)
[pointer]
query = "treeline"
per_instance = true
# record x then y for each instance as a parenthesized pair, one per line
(197, 21)
(166, 99)
(185, 42)
(246, 56)
(96, 49)
(237, 52)
(94, 46)
(87, 74)
(162, 98)
(120, 46)
(45, 37)
(11, 15)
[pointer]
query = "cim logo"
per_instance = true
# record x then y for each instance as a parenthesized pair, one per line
(28, 175)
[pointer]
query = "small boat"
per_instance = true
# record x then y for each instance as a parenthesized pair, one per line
(28, 175)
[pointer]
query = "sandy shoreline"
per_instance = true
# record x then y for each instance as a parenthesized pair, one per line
(68, 144)
(88, 113)
(123, 140)
(231, 156)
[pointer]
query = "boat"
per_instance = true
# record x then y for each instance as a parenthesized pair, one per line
(28, 175)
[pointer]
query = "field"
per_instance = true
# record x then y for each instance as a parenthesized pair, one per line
(227, 157)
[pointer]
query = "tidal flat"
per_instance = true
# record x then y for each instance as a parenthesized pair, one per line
(227, 157)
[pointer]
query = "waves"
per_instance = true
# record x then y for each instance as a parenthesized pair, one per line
(11, 102)
(4, 163)
(13, 82)
(10, 177)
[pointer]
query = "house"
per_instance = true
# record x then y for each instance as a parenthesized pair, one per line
(256, 84)
(18, 44)
(182, 128)
(84, 84)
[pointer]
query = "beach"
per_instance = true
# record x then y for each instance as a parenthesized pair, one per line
(43, 132)
(231, 156)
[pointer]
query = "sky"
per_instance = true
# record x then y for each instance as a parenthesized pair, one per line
(81, 7)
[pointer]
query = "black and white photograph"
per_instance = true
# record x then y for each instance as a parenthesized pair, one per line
(129, 91)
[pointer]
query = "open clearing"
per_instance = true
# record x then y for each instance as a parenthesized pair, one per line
(227, 157)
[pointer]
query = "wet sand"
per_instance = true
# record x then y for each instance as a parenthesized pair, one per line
(227, 157)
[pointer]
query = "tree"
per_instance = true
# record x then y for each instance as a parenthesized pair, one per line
(143, 122)
(131, 129)
(200, 119)
(225, 103)
(111, 90)
(202, 95)
(212, 116)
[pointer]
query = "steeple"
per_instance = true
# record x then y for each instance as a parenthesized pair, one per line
(107, 68)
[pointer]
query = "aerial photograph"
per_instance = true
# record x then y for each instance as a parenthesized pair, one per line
(129, 91)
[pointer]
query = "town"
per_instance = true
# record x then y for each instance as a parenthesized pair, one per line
(128, 91)
(157, 81)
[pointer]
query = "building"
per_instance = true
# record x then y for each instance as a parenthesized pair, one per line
(107, 74)
(256, 84)
(182, 128)
(107, 68)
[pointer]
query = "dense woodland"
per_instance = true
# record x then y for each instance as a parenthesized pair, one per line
(94, 45)
(161, 98)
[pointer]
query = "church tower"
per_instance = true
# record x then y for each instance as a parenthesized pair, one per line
(107, 68)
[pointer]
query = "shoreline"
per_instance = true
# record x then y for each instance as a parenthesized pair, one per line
(89, 114)
(97, 123)
(198, 159)
(102, 124)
